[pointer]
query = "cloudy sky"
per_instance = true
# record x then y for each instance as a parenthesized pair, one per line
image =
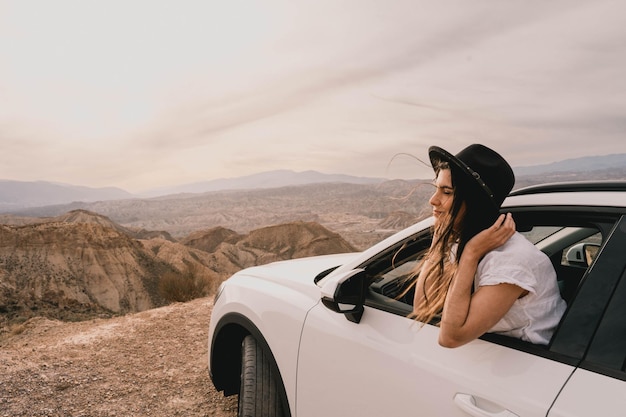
(142, 94)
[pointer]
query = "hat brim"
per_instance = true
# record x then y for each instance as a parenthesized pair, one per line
(436, 154)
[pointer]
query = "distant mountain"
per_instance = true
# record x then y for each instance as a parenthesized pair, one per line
(15, 195)
(284, 178)
(584, 164)
(270, 179)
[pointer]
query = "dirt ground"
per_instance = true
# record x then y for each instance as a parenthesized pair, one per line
(152, 363)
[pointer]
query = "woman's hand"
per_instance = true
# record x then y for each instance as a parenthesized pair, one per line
(493, 237)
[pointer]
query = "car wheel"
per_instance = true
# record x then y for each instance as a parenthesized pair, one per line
(259, 394)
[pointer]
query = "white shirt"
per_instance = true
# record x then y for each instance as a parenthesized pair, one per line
(533, 317)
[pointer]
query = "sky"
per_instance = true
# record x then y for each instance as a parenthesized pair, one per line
(144, 94)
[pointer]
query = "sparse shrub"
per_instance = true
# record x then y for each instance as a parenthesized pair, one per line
(181, 287)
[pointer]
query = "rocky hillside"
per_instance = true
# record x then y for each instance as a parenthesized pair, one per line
(273, 243)
(82, 264)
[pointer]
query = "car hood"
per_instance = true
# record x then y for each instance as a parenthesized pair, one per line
(298, 274)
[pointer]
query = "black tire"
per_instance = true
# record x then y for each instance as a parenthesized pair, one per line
(260, 391)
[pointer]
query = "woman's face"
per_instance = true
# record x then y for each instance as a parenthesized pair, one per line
(442, 199)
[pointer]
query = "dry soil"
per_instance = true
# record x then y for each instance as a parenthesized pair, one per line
(152, 363)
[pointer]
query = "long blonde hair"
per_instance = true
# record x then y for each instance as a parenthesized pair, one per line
(439, 263)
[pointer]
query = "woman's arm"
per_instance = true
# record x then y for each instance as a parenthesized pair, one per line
(467, 316)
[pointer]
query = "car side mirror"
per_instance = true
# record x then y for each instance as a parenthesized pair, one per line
(582, 254)
(591, 250)
(345, 293)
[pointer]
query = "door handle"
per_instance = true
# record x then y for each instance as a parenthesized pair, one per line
(467, 403)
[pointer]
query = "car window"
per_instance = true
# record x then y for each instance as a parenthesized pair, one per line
(607, 352)
(539, 233)
(571, 250)
(390, 273)
(589, 304)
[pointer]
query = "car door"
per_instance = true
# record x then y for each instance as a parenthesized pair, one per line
(598, 386)
(388, 364)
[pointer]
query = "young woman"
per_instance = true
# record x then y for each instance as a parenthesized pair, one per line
(479, 274)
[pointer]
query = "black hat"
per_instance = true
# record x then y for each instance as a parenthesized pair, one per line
(482, 168)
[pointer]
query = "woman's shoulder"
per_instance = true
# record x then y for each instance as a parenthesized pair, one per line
(517, 250)
(519, 243)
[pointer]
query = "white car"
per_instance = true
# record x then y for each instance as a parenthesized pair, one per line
(328, 336)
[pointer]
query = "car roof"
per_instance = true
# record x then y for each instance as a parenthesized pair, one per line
(572, 186)
(580, 193)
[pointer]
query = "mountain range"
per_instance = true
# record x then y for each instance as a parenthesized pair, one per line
(269, 179)
(584, 164)
(17, 195)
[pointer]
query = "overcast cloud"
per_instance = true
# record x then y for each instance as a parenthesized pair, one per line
(145, 94)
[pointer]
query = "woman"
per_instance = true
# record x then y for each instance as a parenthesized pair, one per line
(479, 273)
